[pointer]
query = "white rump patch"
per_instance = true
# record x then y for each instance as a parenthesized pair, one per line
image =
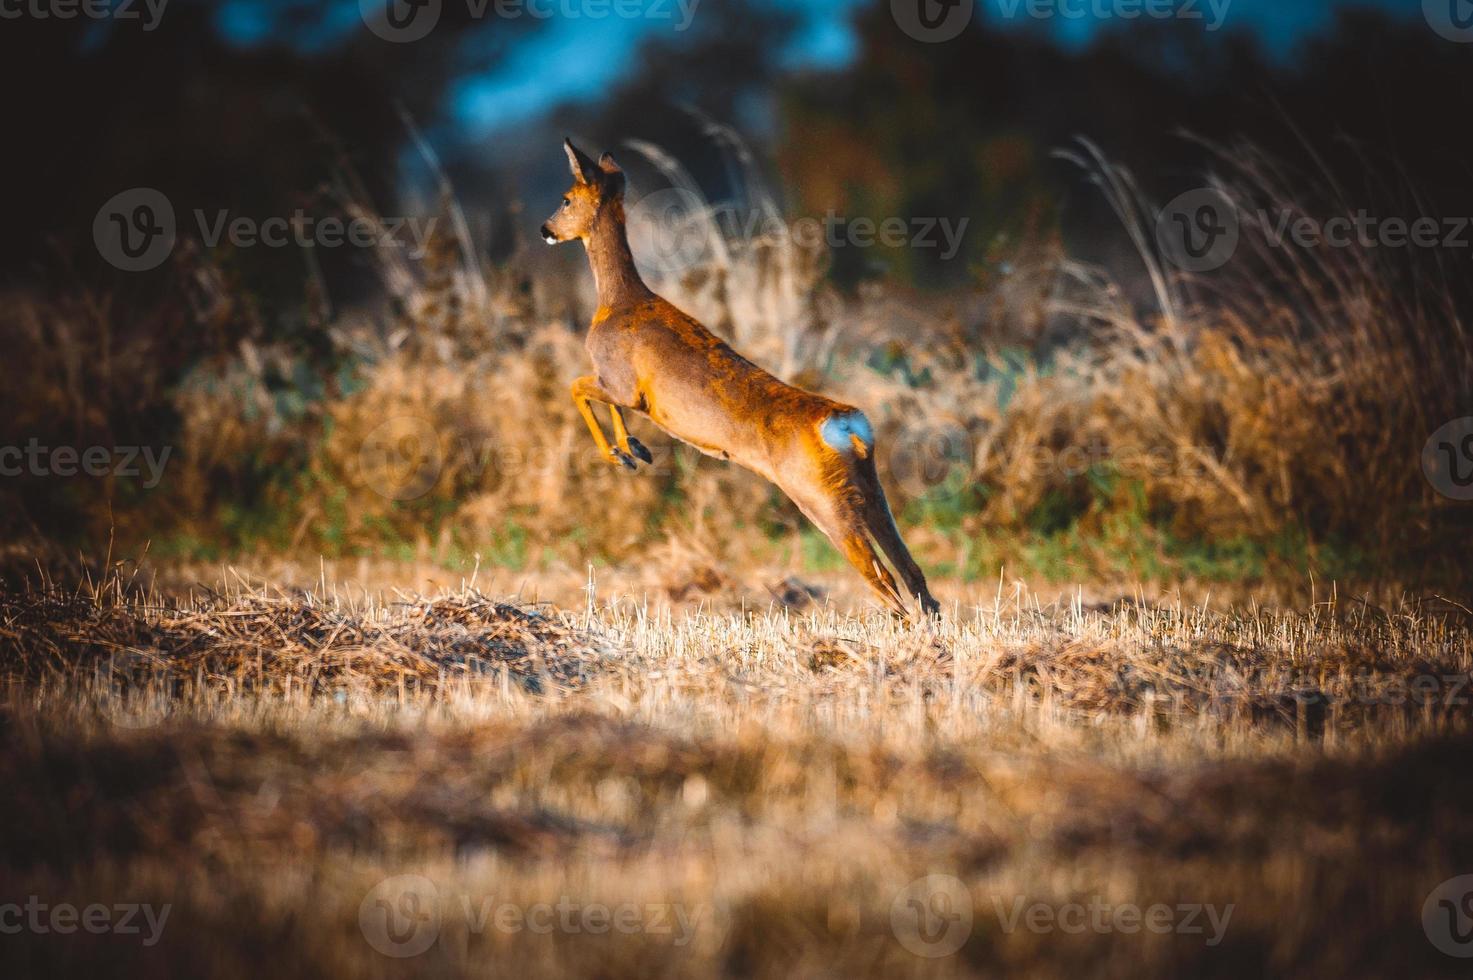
(837, 429)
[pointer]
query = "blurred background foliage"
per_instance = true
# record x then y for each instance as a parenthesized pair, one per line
(1289, 395)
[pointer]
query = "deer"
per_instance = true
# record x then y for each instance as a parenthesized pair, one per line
(651, 358)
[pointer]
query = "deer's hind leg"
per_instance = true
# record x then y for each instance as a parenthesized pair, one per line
(839, 516)
(855, 546)
(881, 524)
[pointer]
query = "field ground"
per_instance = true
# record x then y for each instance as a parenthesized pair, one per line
(331, 778)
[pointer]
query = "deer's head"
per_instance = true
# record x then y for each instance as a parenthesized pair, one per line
(596, 187)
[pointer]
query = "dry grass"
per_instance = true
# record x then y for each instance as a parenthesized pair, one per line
(754, 766)
(1285, 397)
(1277, 406)
(262, 760)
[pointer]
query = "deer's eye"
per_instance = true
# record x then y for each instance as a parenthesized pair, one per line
(566, 202)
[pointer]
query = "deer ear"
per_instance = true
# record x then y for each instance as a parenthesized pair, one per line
(613, 176)
(585, 171)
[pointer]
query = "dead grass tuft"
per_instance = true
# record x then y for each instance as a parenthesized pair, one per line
(278, 643)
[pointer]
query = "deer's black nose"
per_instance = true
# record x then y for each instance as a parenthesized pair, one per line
(548, 236)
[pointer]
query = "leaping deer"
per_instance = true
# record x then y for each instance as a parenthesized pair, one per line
(650, 357)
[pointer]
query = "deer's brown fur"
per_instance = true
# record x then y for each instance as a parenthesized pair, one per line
(650, 357)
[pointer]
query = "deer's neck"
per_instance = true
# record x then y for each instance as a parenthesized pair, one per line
(614, 275)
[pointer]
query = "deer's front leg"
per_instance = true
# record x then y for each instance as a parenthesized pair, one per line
(585, 391)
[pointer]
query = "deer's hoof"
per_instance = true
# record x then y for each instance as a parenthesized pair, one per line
(637, 448)
(619, 456)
